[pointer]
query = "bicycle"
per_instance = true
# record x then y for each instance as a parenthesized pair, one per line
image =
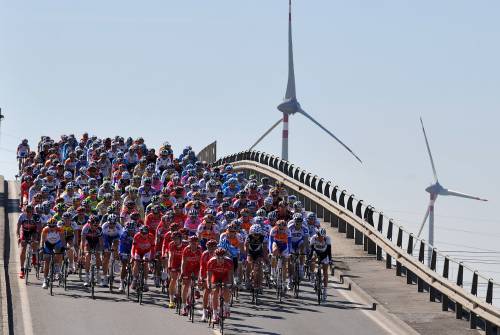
(38, 264)
(295, 262)
(279, 278)
(318, 286)
(255, 278)
(93, 271)
(63, 277)
(27, 261)
(141, 280)
(178, 297)
(192, 302)
(111, 270)
(221, 308)
(52, 269)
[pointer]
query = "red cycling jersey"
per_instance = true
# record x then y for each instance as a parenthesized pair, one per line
(205, 257)
(191, 261)
(175, 255)
(220, 270)
(143, 244)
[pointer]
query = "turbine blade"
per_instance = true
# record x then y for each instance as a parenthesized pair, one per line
(265, 134)
(290, 88)
(431, 203)
(329, 133)
(429, 151)
(461, 195)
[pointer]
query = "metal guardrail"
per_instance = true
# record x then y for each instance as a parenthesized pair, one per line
(454, 284)
(208, 153)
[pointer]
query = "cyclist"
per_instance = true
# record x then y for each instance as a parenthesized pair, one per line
(220, 271)
(207, 230)
(52, 239)
(299, 242)
(254, 247)
(205, 257)
(175, 249)
(124, 249)
(23, 150)
(68, 228)
(91, 241)
(190, 266)
(321, 246)
(279, 245)
(143, 248)
(111, 232)
(28, 229)
(192, 222)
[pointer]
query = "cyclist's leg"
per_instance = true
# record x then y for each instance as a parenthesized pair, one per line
(173, 284)
(106, 255)
(186, 284)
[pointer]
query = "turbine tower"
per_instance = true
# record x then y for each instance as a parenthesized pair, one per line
(434, 190)
(290, 105)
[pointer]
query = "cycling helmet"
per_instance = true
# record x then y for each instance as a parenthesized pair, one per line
(229, 215)
(193, 238)
(311, 216)
(144, 229)
(297, 205)
(292, 198)
(209, 218)
(259, 220)
(52, 223)
(297, 217)
(268, 201)
(211, 244)
(29, 208)
(93, 219)
(261, 212)
(281, 223)
(155, 198)
(193, 212)
(174, 227)
(273, 215)
(66, 215)
(322, 232)
(220, 252)
(112, 218)
(256, 229)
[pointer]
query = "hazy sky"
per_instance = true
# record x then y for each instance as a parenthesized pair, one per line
(194, 71)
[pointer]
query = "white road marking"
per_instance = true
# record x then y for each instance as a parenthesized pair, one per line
(23, 292)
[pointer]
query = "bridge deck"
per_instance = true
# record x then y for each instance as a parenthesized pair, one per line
(400, 299)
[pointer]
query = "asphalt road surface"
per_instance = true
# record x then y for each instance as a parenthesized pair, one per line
(74, 312)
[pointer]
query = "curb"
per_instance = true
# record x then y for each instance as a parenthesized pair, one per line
(5, 324)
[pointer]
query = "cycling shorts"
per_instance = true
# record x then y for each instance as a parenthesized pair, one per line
(139, 254)
(295, 247)
(108, 241)
(282, 248)
(50, 248)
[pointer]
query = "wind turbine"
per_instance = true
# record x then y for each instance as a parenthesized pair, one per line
(434, 190)
(290, 105)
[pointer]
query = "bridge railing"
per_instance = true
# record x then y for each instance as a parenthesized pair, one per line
(454, 284)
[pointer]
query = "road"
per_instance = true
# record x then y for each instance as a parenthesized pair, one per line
(36, 312)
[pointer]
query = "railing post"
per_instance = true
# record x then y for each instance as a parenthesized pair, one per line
(333, 195)
(421, 259)
(358, 235)
(342, 198)
(409, 250)
(444, 297)
(399, 243)
(460, 281)
(349, 227)
(473, 290)
(380, 227)
(388, 258)
(432, 293)
(371, 247)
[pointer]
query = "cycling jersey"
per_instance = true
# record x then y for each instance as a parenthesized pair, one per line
(143, 245)
(322, 248)
(191, 261)
(220, 269)
(281, 238)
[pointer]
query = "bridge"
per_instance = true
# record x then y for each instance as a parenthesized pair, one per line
(381, 283)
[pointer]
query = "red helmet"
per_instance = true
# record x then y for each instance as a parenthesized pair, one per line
(193, 238)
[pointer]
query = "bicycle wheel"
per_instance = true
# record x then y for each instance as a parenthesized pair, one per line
(27, 263)
(178, 298)
(319, 284)
(279, 283)
(140, 285)
(51, 277)
(65, 274)
(191, 302)
(128, 279)
(221, 314)
(111, 276)
(92, 281)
